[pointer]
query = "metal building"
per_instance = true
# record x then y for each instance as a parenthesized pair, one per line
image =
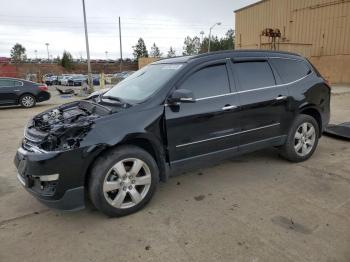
(317, 29)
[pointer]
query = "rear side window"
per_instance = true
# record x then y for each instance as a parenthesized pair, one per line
(18, 83)
(209, 81)
(6, 83)
(252, 75)
(290, 70)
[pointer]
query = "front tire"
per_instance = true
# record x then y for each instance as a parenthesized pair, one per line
(123, 180)
(302, 139)
(27, 101)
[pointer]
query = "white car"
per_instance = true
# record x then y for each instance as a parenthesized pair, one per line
(64, 80)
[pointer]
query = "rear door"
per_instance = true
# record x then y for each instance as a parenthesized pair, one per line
(7, 91)
(211, 123)
(263, 103)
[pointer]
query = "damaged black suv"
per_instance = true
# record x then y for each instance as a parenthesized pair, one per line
(173, 114)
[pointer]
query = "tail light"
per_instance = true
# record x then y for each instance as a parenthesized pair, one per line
(327, 83)
(43, 88)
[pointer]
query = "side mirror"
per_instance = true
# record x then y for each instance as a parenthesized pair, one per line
(181, 96)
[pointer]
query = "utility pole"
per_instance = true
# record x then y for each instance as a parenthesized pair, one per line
(47, 48)
(91, 88)
(36, 54)
(120, 44)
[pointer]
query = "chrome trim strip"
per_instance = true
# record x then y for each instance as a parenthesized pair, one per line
(251, 90)
(268, 87)
(21, 180)
(205, 140)
(219, 137)
(210, 97)
(258, 128)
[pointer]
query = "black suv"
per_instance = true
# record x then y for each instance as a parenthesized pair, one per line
(15, 91)
(173, 114)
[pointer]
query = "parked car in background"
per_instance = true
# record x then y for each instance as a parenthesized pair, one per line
(51, 80)
(15, 91)
(172, 115)
(59, 79)
(123, 75)
(128, 73)
(77, 80)
(96, 80)
(64, 80)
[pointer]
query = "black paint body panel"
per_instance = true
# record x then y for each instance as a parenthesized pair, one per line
(193, 134)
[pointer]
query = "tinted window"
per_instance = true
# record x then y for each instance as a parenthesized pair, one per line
(290, 70)
(252, 75)
(18, 83)
(209, 81)
(6, 82)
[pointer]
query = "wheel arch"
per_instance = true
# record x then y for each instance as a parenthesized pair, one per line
(155, 151)
(142, 142)
(314, 113)
(26, 93)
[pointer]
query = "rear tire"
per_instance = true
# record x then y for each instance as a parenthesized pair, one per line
(27, 101)
(123, 180)
(302, 139)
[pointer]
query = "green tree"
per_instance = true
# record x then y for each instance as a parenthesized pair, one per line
(216, 44)
(140, 49)
(171, 52)
(18, 53)
(67, 60)
(191, 45)
(155, 52)
(228, 42)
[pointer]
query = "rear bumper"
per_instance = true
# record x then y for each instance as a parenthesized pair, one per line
(43, 96)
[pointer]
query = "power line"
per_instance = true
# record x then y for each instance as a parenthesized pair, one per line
(203, 22)
(71, 24)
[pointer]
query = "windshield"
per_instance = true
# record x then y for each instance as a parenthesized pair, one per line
(143, 83)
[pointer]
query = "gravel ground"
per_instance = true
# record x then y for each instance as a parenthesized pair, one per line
(256, 207)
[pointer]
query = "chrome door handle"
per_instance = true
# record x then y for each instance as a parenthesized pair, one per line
(280, 98)
(225, 108)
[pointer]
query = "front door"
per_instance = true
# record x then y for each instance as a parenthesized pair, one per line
(7, 94)
(208, 125)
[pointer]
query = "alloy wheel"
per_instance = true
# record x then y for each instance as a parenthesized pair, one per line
(28, 101)
(304, 139)
(127, 183)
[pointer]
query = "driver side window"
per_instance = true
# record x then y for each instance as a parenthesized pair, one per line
(208, 81)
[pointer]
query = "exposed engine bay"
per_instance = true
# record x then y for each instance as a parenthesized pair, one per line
(64, 127)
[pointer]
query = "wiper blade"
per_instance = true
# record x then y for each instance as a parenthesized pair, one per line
(118, 99)
(96, 104)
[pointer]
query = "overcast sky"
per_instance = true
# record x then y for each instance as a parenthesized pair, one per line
(60, 23)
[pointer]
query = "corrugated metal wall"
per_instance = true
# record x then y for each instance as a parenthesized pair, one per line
(308, 27)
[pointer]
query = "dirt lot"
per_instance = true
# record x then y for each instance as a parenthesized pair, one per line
(254, 208)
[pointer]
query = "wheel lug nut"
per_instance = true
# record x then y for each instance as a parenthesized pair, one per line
(133, 182)
(124, 188)
(121, 183)
(130, 187)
